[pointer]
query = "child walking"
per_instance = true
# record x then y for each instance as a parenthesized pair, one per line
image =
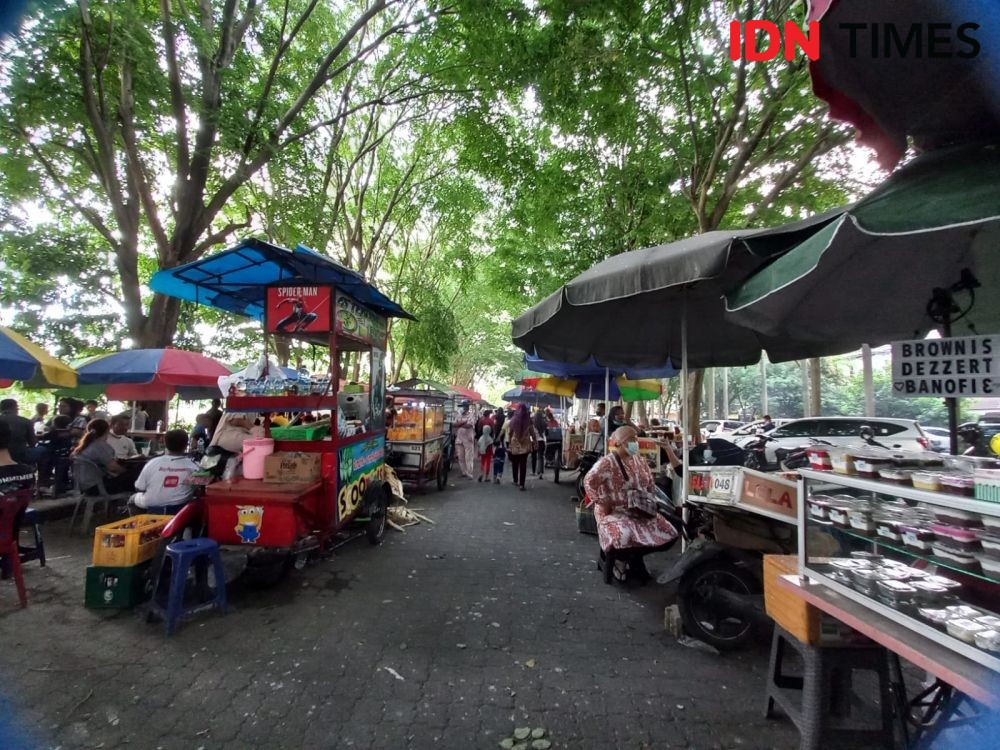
(499, 457)
(485, 445)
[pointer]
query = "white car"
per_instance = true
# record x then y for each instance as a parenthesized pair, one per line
(750, 429)
(940, 438)
(901, 434)
(719, 428)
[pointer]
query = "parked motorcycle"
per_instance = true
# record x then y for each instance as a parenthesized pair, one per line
(786, 459)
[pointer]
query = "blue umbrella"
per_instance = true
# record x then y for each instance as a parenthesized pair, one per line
(591, 371)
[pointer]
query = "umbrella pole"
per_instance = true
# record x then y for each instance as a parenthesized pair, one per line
(607, 410)
(951, 404)
(686, 420)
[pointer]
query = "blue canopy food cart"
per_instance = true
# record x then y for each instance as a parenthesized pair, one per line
(302, 294)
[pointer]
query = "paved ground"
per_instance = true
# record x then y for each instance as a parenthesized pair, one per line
(447, 636)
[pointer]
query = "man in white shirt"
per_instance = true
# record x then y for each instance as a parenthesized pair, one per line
(162, 483)
(119, 440)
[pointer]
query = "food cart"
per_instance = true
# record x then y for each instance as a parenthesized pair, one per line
(416, 442)
(337, 478)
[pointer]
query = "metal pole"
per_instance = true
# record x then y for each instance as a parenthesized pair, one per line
(684, 414)
(951, 403)
(763, 385)
(725, 393)
(710, 377)
(866, 366)
(607, 407)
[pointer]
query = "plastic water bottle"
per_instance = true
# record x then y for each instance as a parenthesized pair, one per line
(159, 425)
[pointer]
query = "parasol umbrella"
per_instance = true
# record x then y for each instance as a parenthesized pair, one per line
(473, 396)
(22, 360)
(523, 395)
(912, 256)
(868, 277)
(638, 390)
(628, 311)
(154, 374)
(937, 99)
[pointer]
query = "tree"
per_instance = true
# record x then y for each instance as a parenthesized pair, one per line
(151, 119)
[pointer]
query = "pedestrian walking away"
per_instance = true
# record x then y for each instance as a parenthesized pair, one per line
(465, 441)
(540, 423)
(521, 438)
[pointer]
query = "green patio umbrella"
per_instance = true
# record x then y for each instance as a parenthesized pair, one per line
(887, 269)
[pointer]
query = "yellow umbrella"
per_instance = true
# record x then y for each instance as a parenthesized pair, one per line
(557, 386)
(22, 360)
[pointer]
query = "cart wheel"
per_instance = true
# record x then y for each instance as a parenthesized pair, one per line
(375, 528)
(442, 474)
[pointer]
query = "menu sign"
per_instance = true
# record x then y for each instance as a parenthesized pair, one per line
(964, 367)
(298, 309)
(360, 323)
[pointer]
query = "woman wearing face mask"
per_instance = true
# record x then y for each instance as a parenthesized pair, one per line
(625, 534)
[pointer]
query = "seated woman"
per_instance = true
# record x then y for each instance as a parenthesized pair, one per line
(625, 534)
(100, 463)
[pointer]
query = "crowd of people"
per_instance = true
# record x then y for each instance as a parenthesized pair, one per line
(485, 442)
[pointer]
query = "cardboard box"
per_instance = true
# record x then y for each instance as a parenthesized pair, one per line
(291, 467)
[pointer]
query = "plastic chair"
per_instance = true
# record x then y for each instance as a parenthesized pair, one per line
(11, 508)
(89, 501)
(823, 711)
(37, 552)
(179, 557)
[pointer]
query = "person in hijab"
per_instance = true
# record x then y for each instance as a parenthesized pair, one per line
(465, 440)
(232, 430)
(520, 437)
(625, 534)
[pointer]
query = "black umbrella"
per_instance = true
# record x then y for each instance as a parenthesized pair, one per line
(628, 311)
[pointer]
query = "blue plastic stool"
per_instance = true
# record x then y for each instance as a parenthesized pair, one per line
(30, 518)
(181, 556)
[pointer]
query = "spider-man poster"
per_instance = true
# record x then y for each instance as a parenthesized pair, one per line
(298, 309)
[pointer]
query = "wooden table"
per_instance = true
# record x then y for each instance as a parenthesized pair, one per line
(965, 675)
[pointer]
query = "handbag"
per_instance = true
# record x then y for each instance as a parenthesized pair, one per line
(642, 502)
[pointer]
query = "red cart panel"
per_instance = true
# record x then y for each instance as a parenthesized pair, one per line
(250, 512)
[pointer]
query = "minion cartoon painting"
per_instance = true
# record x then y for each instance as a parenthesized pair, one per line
(249, 520)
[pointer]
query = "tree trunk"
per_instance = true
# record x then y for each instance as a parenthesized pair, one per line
(156, 330)
(283, 349)
(692, 404)
(643, 414)
(815, 395)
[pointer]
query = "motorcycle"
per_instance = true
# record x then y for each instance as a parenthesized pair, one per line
(786, 459)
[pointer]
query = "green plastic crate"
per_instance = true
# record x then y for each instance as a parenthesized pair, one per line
(301, 432)
(112, 587)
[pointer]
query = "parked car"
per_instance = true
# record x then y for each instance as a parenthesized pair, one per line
(904, 434)
(939, 437)
(719, 428)
(748, 430)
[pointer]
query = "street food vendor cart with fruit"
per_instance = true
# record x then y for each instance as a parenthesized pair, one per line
(301, 486)
(417, 442)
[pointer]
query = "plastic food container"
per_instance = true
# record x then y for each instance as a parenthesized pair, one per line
(988, 640)
(866, 581)
(957, 484)
(869, 466)
(953, 517)
(963, 610)
(895, 475)
(917, 538)
(946, 582)
(926, 480)
(929, 594)
(990, 565)
(990, 539)
(889, 528)
(937, 617)
(861, 521)
(842, 462)
(819, 507)
(895, 593)
(990, 621)
(845, 563)
(957, 558)
(987, 485)
(965, 630)
(872, 557)
(956, 537)
(991, 522)
(819, 459)
(840, 505)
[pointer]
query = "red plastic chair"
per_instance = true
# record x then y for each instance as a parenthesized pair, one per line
(11, 507)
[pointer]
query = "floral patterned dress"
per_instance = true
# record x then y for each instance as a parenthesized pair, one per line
(621, 528)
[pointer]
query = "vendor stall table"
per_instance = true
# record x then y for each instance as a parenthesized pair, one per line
(967, 677)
